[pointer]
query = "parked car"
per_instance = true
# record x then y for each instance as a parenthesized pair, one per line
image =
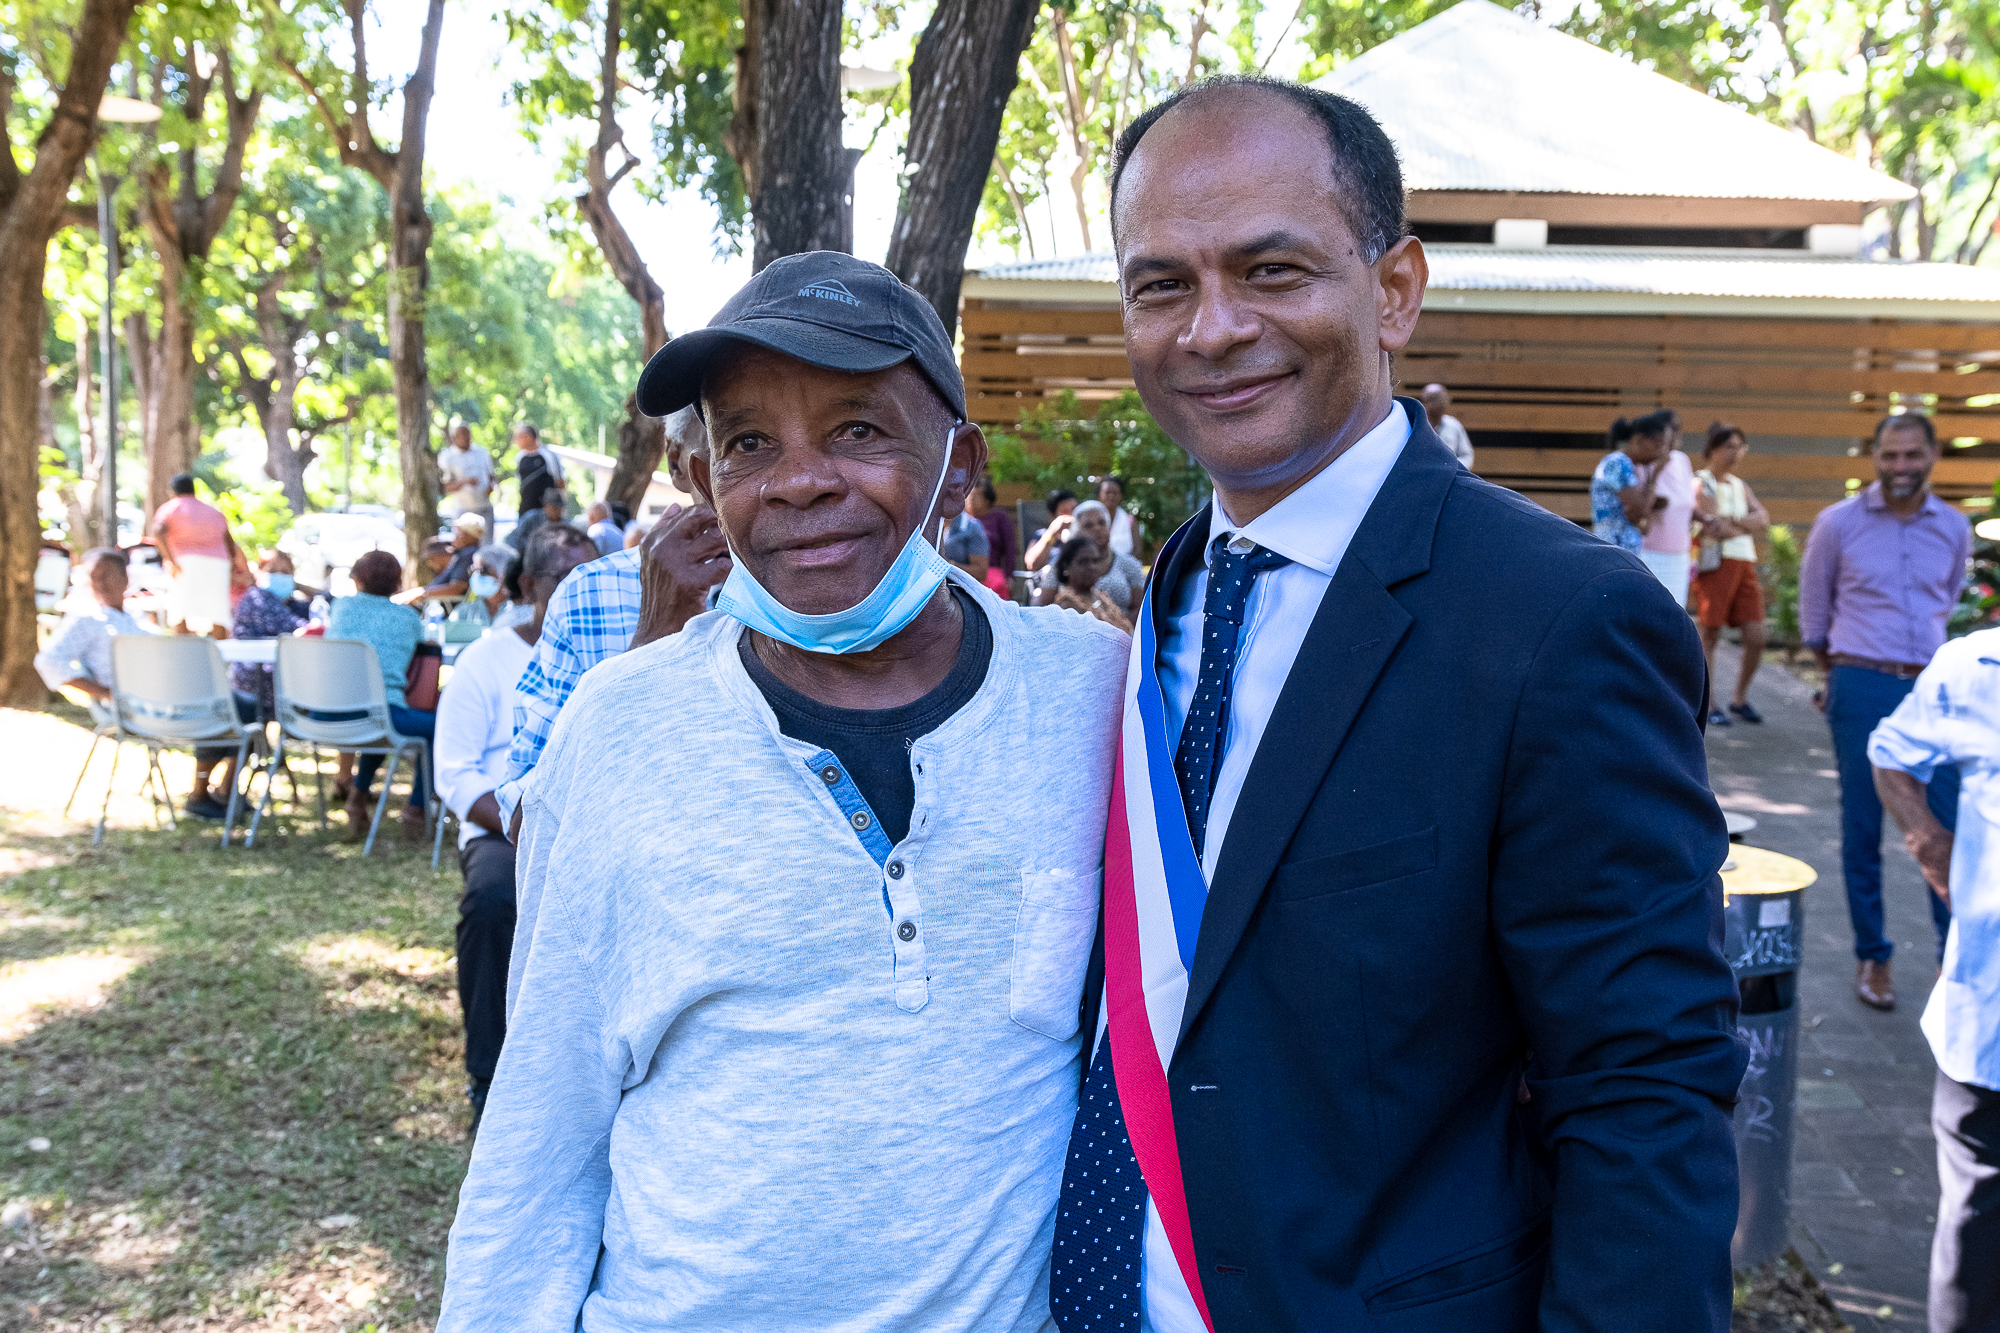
(323, 547)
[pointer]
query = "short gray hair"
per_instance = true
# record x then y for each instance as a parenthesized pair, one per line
(545, 548)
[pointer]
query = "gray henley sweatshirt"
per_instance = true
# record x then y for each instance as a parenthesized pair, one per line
(757, 1077)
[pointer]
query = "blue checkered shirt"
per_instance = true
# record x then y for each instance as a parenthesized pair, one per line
(591, 618)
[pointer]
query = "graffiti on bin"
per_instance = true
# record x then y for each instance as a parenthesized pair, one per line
(1777, 946)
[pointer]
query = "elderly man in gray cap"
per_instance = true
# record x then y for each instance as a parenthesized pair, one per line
(793, 1036)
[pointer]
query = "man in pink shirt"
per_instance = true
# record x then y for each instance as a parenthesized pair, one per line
(195, 544)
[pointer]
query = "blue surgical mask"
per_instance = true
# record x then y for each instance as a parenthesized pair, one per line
(884, 613)
(484, 585)
(279, 585)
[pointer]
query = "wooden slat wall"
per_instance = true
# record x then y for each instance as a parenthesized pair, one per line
(1824, 379)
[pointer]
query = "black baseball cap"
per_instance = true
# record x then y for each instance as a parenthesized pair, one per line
(824, 308)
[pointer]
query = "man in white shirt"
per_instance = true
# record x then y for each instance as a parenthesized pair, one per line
(1450, 429)
(79, 656)
(475, 725)
(1952, 716)
(467, 472)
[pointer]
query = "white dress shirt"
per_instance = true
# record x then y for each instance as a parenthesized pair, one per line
(1452, 431)
(475, 723)
(1313, 527)
(1952, 716)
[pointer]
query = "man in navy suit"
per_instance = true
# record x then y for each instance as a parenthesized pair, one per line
(1412, 965)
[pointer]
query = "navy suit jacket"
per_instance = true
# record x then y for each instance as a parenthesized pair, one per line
(1477, 841)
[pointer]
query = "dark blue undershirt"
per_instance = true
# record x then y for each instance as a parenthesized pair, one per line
(874, 743)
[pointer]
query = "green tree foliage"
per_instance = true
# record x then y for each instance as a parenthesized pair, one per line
(679, 61)
(1063, 444)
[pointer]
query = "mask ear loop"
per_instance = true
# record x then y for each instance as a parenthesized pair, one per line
(938, 489)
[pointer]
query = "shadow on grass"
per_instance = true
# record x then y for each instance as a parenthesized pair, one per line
(263, 1119)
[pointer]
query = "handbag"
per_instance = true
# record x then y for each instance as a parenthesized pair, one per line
(421, 680)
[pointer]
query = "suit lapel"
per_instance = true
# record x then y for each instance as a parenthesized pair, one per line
(1353, 636)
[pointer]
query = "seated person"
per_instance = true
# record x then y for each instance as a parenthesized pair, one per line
(607, 535)
(549, 511)
(268, 607)
(79, 656)
(475, 727)
(394, 632)
(452, 578)
(965, 546)
(1062, 511)
(496, 587)
(1123, 584)
(1079, 565)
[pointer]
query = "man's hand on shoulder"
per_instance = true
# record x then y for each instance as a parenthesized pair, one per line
(679, 561)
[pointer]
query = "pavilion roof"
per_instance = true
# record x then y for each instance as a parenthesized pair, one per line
(1480, 98)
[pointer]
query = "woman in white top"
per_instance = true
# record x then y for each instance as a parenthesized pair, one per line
(1726, 590)
(1126, 534)
(1665, 545)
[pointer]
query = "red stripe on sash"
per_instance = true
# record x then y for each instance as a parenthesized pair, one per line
(1135, 1059)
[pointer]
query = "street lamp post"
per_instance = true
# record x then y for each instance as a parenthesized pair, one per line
(123, 111)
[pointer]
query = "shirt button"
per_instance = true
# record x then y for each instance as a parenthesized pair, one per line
(860, 819)
(895, 870)
(829, 775)
(907, 931)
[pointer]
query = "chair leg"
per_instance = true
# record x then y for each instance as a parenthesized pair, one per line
(319, 787)
(437, 840)
(388, 781)
(236, 779)
(166, 797)
(110, 781)
(88, 756)
(270, 782)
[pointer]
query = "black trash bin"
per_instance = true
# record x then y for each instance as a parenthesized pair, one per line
(1763, 924)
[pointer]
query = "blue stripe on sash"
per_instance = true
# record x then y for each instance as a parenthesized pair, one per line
(1187, 889)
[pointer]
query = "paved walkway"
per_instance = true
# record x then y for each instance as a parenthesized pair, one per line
(1864, 1176)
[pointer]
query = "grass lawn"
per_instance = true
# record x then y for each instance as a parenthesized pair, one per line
(231, 1082)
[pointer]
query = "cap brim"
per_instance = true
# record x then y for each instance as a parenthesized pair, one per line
(672, 379)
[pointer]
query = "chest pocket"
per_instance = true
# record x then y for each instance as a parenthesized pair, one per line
(1053, 932)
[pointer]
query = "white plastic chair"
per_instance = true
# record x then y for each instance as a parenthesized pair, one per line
(444, 816)
(340, 677)
(170, 692)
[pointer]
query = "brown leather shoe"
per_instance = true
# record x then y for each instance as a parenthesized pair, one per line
(1873, 987)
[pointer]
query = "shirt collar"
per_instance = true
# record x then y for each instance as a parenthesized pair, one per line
(1873, 498)
(1314, 524)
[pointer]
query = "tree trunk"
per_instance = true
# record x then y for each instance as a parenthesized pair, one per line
(31, 209)
(163, 371)
(401, 173)
(741, 138)
(641, 439)
(802, 172)
(966, 66)
(182, 224)
(409, 278)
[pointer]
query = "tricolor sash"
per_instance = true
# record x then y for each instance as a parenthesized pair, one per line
(1154, 892)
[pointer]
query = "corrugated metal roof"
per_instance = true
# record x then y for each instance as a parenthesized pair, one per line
(1480, 98)
(1788, 282)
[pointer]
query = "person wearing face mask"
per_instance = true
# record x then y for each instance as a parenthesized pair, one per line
(495, 586)
(274, 606)
(475, 725)
(794, 1026)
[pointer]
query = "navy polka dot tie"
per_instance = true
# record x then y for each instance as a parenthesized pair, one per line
(1207, 725)
(1101, 1216)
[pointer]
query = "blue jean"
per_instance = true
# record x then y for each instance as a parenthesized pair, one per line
(1857, 699)
(407, 722)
